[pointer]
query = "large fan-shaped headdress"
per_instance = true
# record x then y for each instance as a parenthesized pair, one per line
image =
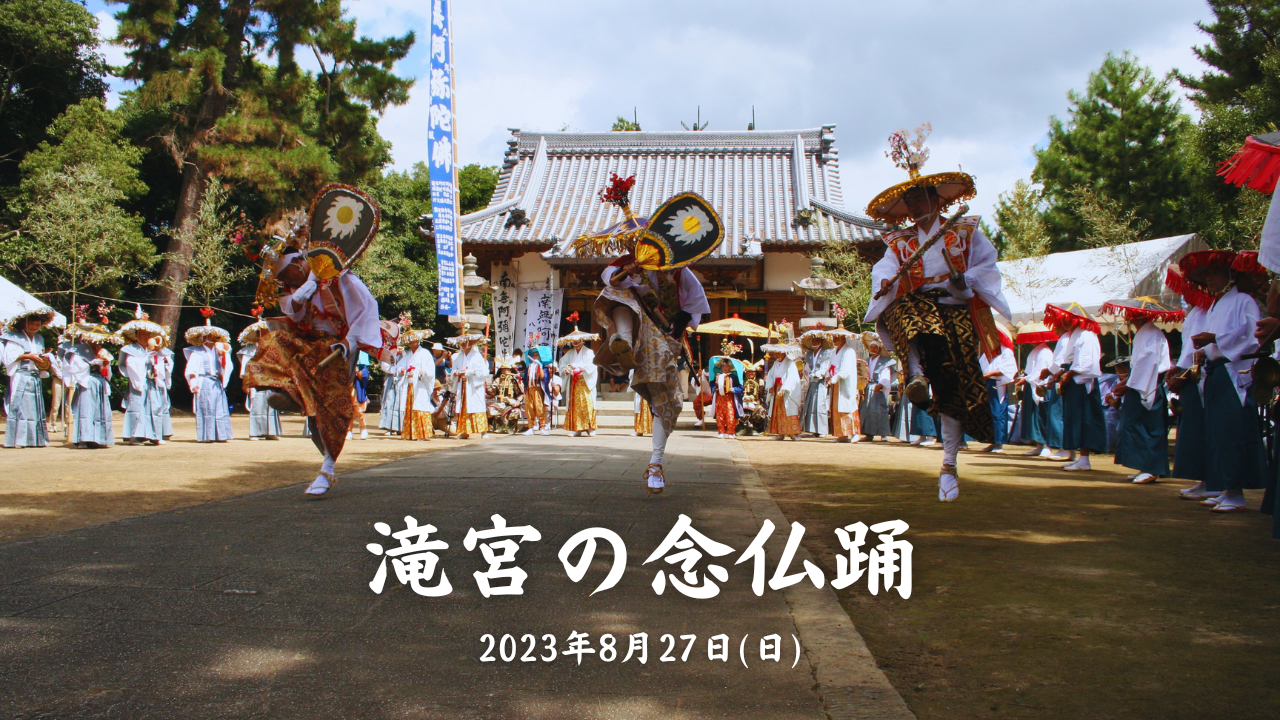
(1142, 308)
(343, 221)
(683, 230)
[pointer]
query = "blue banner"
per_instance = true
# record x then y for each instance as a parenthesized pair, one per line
(443, 157)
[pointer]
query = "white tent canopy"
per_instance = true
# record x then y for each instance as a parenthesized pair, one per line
(15, 301)
(1092, 277)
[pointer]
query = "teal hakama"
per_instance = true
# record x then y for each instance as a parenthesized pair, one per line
(922, 423)
(1031, 430)
(1191, 450)
(1084, 426)
(1142, 437)
(1236, 458)
(1050, 412)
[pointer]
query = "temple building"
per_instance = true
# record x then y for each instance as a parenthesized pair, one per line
(778, 193)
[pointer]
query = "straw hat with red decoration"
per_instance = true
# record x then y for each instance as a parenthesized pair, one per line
(1065, 318)
(1142, 309)
(1035, 333)
(1193, 293)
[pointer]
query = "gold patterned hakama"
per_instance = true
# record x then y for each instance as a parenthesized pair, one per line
(580, 415)
(471, 422)
(417, 424)
(644, 419)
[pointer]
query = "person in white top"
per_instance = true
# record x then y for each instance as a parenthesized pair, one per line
(88, 370)
(150, 372)
(388, 419)
(26, 362)
(842, 379)
(999, 374)
(1030, 385)
(1076, 371)
(783, 390)
(1190, 452)
(578, 368)
(420, 369)
(1142, 438)
(470, 371)
(937, 310)
(209, 369)
(1237, 460)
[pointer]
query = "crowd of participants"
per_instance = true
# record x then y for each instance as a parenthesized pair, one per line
(1061, 401)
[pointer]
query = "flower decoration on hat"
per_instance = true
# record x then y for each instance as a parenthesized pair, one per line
(573, 317)
(907, 151)
(80, 313)
(729, 348)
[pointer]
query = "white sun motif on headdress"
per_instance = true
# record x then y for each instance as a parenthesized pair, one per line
(689, 225)
(343, 217)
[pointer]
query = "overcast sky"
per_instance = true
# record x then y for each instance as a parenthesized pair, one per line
(987, 74)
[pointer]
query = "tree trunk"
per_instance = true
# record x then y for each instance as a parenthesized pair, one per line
(173, 273)
(217, 101)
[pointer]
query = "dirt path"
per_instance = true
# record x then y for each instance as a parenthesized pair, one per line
(46, 490)
(1045, 594)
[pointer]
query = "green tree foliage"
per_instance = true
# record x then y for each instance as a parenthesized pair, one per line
(1123, 139)
(225, 94)
(1020, 218)
(48, 60)
(1240, 35)
(216, 261)
(76, 238)
(476, 184)
(846, 266)
(87, 133)
(400, 266)
(1242, 99)
(624, 125)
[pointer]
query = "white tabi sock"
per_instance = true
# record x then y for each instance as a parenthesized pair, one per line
(913, 361)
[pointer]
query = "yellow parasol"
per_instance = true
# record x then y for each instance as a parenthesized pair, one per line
(734, 326)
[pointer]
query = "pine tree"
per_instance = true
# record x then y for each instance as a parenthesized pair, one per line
(206, 72)
(1239, 36)
(1122, 139)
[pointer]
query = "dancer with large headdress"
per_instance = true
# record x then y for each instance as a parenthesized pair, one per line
(470, 373)
(936, 287)
(307, 358)
(651, 298)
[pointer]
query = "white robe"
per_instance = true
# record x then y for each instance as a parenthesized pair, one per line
(693, 298)
(17, 343)
(982, 276)
(471, 386)
(1039, 359)
(1006, 363)
(204, 361)
(785, 370)
(1233, 319)
(583, 360)
(358, 305)
(1192, 324)
(845, 362)
(423, 378)
(1086, 358)
(1149, 358)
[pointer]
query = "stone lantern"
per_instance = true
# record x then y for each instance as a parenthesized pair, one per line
(817, 310)
(474, 288)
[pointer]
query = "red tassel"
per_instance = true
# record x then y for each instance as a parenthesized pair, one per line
(1060, 318)
(1247, 262)
(1257, 165)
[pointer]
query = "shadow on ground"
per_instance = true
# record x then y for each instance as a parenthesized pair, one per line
(1045, 594)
